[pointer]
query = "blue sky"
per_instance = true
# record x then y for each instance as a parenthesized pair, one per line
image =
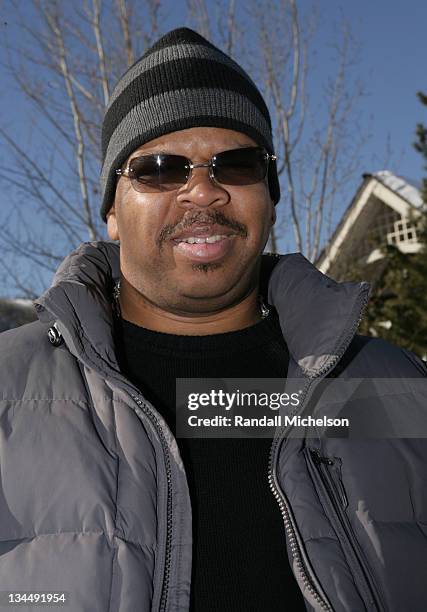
(391, 62)
(393, 54)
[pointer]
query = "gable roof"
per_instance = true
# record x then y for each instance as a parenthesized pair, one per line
(408, 189)
(401, 194)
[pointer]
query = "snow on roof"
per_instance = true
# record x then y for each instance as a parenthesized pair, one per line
(407, 190)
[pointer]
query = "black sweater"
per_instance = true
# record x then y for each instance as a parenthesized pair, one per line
(240, 561)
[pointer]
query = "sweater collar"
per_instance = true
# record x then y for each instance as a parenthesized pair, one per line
(318, 316)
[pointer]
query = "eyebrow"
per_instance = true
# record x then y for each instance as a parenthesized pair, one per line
(153, 150)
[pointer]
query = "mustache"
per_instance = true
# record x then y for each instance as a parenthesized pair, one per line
(210, 218)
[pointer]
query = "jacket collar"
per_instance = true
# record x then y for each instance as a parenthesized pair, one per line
(318, 316)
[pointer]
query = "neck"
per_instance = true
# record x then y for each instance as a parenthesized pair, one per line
(137, 309)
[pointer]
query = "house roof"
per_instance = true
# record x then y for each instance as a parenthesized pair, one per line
(406, 190)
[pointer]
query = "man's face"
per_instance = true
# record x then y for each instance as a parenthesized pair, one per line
(171, 273)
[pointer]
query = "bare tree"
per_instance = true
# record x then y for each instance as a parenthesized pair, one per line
(69, 57)
(317, 139)
(65, 61)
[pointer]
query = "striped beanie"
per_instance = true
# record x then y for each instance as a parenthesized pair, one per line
(182, 81)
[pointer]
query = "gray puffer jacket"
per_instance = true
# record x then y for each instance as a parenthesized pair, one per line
(94, 499)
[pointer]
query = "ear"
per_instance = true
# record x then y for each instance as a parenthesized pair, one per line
(112, 226)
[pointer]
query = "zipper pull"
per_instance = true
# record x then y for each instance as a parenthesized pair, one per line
(341, 491)
(334, 474)
(319, 459)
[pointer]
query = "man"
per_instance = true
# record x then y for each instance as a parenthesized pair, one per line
(99, 499)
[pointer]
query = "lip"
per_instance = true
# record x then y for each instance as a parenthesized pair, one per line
(205, 252)
(203, 230)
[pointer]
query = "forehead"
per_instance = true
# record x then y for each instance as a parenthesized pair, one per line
(197, 141)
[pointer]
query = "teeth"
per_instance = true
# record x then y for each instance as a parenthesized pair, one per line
(208, 239)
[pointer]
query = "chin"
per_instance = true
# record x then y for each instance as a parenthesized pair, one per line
(212, 293)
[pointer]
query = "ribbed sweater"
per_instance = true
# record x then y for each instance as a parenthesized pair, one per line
(240, 561)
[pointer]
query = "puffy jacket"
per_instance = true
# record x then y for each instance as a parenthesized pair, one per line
(94, 498)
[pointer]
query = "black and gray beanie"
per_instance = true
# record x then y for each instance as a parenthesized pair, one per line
(182, 81)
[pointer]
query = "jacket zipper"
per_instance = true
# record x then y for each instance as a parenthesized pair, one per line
(169, 523)
(292, 537)
(149, 413)
(278, 493)
(336, 496)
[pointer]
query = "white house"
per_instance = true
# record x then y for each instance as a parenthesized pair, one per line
(383, 211)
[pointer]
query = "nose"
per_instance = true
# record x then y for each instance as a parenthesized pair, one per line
(201, 190)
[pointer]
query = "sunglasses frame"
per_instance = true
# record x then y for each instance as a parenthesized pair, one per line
(210, 164)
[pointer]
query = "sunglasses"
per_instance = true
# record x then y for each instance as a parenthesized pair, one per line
(166, 172)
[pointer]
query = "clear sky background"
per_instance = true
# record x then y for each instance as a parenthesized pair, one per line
(392, 63)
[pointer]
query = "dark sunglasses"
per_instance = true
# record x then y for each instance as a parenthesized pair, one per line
(167, 172)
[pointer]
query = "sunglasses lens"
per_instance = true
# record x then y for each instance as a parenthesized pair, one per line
(166, 172)
(151, 173)
(244, 166)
